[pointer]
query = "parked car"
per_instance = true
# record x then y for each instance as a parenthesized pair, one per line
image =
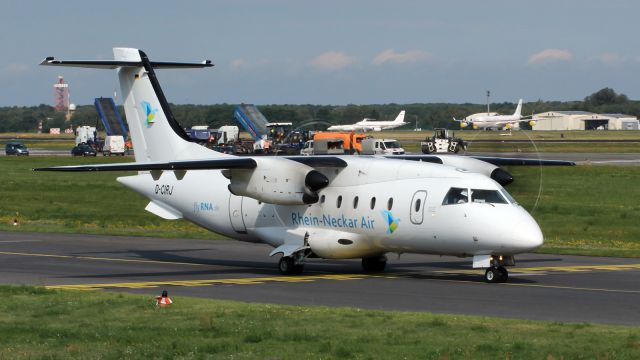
(83, 150)
(16, 148)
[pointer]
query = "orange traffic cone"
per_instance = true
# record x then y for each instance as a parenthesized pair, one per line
(163, 300)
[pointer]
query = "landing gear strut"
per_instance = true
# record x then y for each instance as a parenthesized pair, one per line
(374, 264)
(287, 266)
(496, 274)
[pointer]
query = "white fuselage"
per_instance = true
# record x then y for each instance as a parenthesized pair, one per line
(357, 228)
(495, 121)
(366, 125)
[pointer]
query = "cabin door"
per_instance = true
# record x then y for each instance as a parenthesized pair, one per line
(236, 215)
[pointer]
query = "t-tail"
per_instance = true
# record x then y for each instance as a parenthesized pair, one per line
(400, 117)
(155, 133)
(518, 112)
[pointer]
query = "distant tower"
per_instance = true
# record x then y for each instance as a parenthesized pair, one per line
(61, 95)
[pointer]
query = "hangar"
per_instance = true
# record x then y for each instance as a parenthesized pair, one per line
(583, 120)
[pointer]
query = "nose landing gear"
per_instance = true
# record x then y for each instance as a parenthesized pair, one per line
(497, 274)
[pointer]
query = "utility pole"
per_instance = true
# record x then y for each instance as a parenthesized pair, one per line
(488, 95)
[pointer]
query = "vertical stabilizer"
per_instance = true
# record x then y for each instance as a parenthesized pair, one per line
(518, 112)
(155, 133)
(400, 117)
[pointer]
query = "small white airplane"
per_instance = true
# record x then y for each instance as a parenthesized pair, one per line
(494, 121)
(370, 125)
(332, 207)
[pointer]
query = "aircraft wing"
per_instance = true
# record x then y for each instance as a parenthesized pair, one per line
(498, 161)
(209, 164)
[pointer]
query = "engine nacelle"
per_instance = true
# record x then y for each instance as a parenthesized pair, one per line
(470, 164)
(277, 181)
(532, 122)
(463, 124)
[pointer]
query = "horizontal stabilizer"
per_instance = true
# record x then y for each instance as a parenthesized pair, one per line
(114, 64)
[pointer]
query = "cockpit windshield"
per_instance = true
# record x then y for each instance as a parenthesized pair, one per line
(487, 196)
(456, 196)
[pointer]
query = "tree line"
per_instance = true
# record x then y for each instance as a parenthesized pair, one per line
(425, 116)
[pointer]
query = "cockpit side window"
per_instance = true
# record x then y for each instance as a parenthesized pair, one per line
(487, 196)
(456, 196)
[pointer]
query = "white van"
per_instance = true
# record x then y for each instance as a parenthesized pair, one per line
(113, 145)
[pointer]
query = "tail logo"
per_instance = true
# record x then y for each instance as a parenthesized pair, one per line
(392, 223)
(149, 112)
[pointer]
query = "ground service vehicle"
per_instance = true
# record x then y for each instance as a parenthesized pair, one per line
(323, 147)
(442, 142)
(83, 150)
(352, 141)
(16, 148)
(113, 145)
(381, 147)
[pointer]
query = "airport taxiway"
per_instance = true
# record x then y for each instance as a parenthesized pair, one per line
(541, 287)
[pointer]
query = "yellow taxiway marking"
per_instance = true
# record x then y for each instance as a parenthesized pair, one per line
(211, 282)
(544, 269)
(101, 258)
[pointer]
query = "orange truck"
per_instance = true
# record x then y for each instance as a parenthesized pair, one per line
(352, 141)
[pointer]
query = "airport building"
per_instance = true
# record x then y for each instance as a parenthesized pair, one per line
(584, 120)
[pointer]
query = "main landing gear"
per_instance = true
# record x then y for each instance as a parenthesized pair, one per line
(287, 266)
(374, 264)
(497, 274)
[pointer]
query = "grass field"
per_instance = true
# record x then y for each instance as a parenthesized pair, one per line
(91, 203)
(411, 140)
(591, 210)
(50, 324)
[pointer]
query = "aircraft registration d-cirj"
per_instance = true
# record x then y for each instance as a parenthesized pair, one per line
(332, 207)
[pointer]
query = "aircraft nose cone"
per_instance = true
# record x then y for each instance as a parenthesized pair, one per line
(527, 235)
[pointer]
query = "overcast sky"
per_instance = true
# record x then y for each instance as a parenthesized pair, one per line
(329, 52)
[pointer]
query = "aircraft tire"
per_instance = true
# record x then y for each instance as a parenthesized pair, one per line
(504, 274)
(374, 265)
(491, 275)
(286, 265)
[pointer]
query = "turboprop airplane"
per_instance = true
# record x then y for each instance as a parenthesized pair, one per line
(369, 124)
(493, 120)
(332, 207)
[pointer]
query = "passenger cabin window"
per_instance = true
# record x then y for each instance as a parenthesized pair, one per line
(339, 201)
(373, 203)
(355, 202)
(418, 203)
(456, 196)
(389, 204)
(322, 199)
(487, 196)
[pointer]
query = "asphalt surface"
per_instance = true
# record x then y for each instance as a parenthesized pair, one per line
(541, 287)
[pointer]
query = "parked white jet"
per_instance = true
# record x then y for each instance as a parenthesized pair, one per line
(371, 125)
(333, 207)
(493, 120)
